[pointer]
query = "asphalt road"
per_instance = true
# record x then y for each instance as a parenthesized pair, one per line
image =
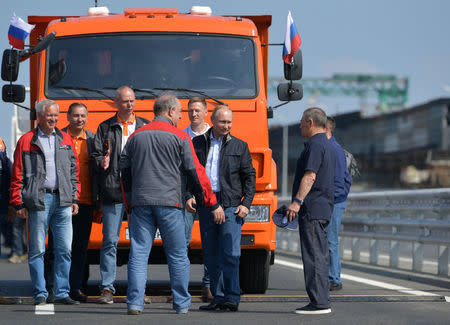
(370, 296)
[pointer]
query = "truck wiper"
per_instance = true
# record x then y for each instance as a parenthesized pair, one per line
(85, 89)
(192, 91)
(146, 91)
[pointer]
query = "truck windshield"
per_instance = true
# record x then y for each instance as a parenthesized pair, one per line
(219, 66)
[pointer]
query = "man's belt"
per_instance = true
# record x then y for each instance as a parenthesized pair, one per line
(52, 191)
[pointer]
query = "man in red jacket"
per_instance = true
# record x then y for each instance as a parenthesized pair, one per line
(44, 186)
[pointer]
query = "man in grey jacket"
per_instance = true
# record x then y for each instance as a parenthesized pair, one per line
(155, 162)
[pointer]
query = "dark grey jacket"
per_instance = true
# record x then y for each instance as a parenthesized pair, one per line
(155, 163)
(110, 191)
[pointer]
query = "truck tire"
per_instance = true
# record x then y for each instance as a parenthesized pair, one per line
(254, 271)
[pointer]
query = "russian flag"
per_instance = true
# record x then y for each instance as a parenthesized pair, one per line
(18, 32)
(292, 40)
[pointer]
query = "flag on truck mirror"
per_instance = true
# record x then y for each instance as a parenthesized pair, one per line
(18, 32)
(292, 40)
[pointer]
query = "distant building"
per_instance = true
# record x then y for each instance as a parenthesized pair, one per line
(401, 149)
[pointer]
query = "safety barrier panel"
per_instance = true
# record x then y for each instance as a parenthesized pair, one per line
(420, 218)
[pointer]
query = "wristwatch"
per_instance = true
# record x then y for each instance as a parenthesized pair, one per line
(296, 199)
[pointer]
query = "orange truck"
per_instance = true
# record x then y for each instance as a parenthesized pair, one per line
(223, 58)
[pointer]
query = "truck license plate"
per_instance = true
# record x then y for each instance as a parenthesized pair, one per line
(127, 234)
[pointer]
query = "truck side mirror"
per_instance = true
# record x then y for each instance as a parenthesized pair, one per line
(294, 71)
(13, 93)
(10, 65)
(290, 91)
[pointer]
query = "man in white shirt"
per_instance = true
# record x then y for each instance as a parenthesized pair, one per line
(197, 111)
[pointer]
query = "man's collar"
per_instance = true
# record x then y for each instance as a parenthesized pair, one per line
(130, 120)
(163, 118)
(41, 133)
(83, 135)
(211, 136)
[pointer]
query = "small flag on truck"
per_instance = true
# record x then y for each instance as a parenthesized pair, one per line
(18, 32)
(292, 40)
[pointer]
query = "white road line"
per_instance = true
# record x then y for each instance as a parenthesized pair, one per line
(47, 309)
(374, 283)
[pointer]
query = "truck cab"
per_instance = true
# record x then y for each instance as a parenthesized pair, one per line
(151, 50)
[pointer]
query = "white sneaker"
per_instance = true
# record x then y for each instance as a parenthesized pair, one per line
(15, 259)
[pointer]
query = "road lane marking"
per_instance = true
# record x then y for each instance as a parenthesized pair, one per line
(47, 309)
(374, 283)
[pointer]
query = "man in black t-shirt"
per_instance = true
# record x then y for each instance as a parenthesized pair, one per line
(312, 201)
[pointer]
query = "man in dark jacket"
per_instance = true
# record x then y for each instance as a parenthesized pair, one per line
(342, 183)
(83, 140)
(109, 142)
(45, 186)
(228, 164)
(157, 160)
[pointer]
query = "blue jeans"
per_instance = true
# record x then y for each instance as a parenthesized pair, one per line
(188, 221)
(59, 219)
(18, 231)
(112, 220)
(221, 253)
(142, 227)
(333, 242)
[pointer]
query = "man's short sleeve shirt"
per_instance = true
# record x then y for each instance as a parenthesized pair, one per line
(318, 156)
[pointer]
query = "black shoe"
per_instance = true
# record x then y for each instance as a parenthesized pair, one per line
(231, 306)
(39, 300)
(78, 296)
(66, 301)
(335, 286)
(312, 310)
(50, 297)
(211, 306)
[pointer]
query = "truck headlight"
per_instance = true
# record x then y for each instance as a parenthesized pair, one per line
(258, 213)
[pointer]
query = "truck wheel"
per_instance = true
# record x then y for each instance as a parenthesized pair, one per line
(254, 271)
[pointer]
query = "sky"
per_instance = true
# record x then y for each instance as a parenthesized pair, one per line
(401, 37)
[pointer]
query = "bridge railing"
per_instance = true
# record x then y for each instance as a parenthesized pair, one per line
(388, 219)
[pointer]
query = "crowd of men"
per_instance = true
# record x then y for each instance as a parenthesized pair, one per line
(160, 176)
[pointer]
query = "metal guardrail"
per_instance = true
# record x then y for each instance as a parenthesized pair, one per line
(417, 217)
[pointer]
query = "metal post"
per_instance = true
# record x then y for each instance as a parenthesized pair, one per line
(417, 257)
(356, 249)
(284, 169)
(373, 258)
(393, 254)
(443, 260)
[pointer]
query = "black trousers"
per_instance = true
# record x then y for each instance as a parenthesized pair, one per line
(316, 260)
(81, 224)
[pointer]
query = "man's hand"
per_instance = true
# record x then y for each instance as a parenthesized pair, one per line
(22, 213)
(105, 161)
(11, 214)
(74, 209)
(97, 216)
(219, 215)
(190, 205)
(241, 211)
(292, 210)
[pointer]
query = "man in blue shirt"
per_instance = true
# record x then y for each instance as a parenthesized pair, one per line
(342, 183)
(312, 201)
